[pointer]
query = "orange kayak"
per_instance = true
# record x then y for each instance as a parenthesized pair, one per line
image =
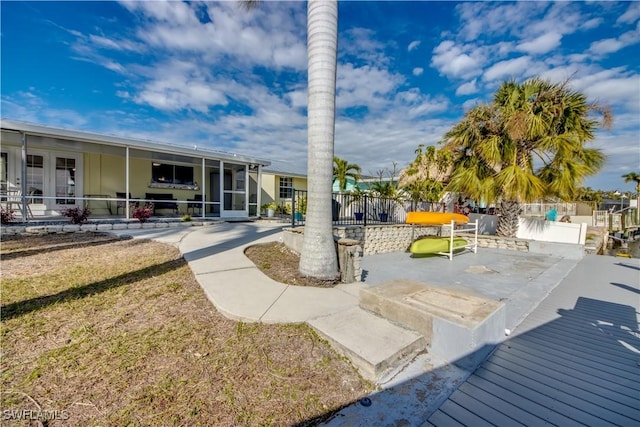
(436, 218)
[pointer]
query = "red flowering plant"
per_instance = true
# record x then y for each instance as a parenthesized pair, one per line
(142, 214)
(77, 215)
(6, 215)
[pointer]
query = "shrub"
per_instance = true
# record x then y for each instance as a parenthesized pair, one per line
(6, 215)
(144, 213)
(186, 218)
(77, 215)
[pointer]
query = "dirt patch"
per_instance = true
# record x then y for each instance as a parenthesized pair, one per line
(120, 333)
(280, 263)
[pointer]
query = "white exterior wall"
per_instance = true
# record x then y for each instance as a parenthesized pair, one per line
(551, 231)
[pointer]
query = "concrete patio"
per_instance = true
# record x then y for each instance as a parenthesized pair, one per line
(412, 394)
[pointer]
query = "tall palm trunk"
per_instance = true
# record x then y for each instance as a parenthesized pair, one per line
(318, 258)
(509, 217)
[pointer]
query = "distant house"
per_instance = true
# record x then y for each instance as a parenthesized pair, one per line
(51, 169)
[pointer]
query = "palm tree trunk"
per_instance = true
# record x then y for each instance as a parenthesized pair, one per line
(318, 256)
(509, 216)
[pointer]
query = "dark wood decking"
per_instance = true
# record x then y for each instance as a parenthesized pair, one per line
(575, 360)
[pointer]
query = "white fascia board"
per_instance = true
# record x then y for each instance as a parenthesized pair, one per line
(81, 136)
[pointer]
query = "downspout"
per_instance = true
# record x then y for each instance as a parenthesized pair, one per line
(246, 188)
(204, 189)
(221, 187)
(259, 198)
(23, 179)
(126, 194)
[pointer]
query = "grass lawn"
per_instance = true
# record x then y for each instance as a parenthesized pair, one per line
(118, 332)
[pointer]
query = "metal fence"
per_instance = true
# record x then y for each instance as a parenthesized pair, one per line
(540, 209)
(359, 209)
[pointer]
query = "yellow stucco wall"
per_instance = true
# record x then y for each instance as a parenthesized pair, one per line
(271, 187)
(300, 183)
(268, 188)
(106, 175)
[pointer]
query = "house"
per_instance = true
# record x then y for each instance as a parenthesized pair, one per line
(51, 169)
(280, 179)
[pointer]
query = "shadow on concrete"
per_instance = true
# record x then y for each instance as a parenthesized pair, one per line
(578, 368)
(243, 234)
(621, 264)
(627, 287)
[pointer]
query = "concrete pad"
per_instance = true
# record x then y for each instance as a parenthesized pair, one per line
(408, 399)
(564, 250)
(455, 324)
(237, 295)
(374, 345)
(299, 303)
(351, 288)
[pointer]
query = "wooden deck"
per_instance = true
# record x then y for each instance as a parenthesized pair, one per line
(575, 360)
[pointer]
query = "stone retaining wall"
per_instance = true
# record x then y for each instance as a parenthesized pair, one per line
(378, 239)
(71, 228)
(352, 242)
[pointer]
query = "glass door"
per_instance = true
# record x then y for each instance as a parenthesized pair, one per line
(234, 190)
(35, 178)
(65, 181)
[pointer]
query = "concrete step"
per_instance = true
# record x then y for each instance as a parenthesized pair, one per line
(374, 345)
(454, 324)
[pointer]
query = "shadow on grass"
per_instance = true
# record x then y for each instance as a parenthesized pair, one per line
(20, 308)
(60, 247)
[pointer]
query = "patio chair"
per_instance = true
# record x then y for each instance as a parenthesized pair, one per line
(13, 197)
(193, 206)
(122, 204)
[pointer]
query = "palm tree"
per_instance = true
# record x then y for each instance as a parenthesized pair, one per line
(591, 196)
(423, 180)
(633, 176)
(318, 256)
(529, 143)
(343, 170)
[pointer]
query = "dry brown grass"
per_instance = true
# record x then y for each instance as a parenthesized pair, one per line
(281, 264)
(120, 333)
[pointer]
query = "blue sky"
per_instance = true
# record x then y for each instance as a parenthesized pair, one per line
(215, 75)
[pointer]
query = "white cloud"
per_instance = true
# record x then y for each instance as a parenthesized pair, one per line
(413, 45)
(542, 44)
(591, 24)
(467, 88)
(615, 91)
(450, 60)
(245, 36)
(180, 85)
(605, 46)
(610, 45)
(364, 86)
(418, 71)
(631, 15)
(510, 68)
(470, 103)
(485, 19)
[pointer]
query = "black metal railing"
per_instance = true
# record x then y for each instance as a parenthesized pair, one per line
(355, 209)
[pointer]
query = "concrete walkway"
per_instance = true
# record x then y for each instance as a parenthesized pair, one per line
(235, 286)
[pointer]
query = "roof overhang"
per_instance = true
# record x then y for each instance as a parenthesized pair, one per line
(117, 141)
